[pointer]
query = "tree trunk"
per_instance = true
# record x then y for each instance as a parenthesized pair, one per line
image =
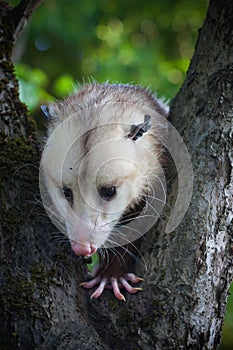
(188, 271)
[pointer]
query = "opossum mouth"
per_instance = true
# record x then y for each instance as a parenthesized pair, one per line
(131, 213)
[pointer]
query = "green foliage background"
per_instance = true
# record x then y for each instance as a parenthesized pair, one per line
(143, 42)
(68, 41)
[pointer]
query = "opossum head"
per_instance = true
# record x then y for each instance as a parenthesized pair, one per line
(100, 162)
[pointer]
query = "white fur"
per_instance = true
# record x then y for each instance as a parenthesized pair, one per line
(88, 149)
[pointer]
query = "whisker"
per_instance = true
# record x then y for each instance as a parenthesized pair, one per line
(105, 251)
(118, 255)
(125, 247)
(24, 166)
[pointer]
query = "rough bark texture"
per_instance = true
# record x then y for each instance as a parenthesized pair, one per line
(196, 264)
(188, 271)
(208, 93)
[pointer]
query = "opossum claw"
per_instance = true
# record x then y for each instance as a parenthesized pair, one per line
(100, 289)
(115, 284)
(128, 287)
(90, 284)
(116, 289)
(133, 278)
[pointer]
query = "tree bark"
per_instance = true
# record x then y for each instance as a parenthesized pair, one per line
(188, 271)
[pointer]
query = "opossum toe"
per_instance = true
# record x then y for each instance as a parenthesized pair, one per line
(90, 284)
(128, 287)
(133, 278)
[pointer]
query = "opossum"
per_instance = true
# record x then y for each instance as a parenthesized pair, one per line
(102, 168)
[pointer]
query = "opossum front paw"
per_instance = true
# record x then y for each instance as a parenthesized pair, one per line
(115, 284)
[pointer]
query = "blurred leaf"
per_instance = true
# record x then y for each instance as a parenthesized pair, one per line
(32, 86)
(227, 338)
(94, 261)
(129, 41)
(64, 85)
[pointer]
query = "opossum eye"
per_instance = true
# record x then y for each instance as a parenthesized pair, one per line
(68, 194)
(107, 193)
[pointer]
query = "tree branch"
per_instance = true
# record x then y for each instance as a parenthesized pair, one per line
(22, 13)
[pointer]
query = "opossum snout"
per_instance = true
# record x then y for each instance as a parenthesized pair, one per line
(83, 248)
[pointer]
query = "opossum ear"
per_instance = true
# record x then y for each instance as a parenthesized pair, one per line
(147, 122)
(137, 131)
(44, 109)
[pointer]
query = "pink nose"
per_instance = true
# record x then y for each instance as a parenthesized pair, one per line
(84, 249)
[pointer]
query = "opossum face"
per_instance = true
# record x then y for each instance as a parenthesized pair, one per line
(92, 193)
(107, 184)
(95, 175)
